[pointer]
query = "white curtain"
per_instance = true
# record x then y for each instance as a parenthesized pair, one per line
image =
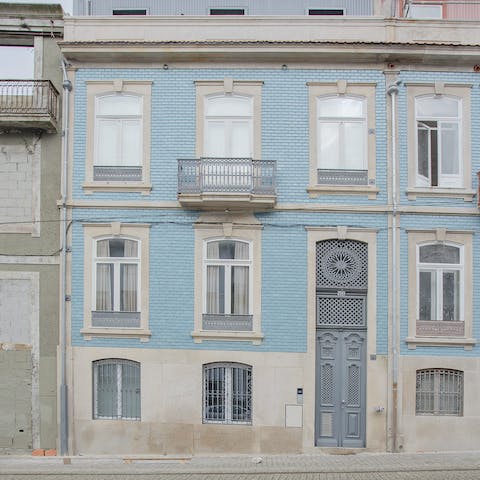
(213, 289)
(240, 280)
(104, 279)
(128, 279)
(240, 290)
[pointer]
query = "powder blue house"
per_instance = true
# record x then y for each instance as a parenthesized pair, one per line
(272, 233)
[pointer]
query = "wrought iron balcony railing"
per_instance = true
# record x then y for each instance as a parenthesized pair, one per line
(226, 175)
(28, 98)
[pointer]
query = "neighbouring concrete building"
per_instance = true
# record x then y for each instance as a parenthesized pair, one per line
(30, 146)
(274, 226)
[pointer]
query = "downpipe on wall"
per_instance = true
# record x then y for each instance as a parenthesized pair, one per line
(67, 87)
(392, 91)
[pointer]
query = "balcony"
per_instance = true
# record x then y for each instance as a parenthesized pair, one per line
(29, 104)
(436, 328)
(212, 183)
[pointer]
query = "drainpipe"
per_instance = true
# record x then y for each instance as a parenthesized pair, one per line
(393, 92)
(67, 87)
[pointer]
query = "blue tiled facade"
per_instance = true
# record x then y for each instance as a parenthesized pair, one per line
(285, 282)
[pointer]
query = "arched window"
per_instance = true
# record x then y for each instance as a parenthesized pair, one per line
(116, 282)
(440, 282)
(228, 126)
(118, 137)
(227, 284)
(438, 119)
(341, 135)
(227, 393)
(116, 389)
(439, 392)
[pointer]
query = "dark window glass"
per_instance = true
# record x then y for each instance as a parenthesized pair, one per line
(130, 12)
(325, 11)
(227, 11)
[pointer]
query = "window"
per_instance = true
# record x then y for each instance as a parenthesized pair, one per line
(116, 389)
(440, 289)
(440, 281)
(227, 11)
(118, 136)
(342, 140)
(228, 126)
(130, 11)
(227, 393)
(227, 285)
(425, 11)
(117, 283)
(325, 11)
(439, 141)
(439, 392)
(116, 280)
(229, 119)
(228, 278)
(438, 149)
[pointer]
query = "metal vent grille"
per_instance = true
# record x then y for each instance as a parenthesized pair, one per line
(342, 264)
(346, 311)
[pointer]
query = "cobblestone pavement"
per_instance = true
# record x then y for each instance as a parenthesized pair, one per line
(318, 466)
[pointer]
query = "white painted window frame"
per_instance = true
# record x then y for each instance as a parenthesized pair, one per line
(116, 261)
(444, 180)
(439, 269)
(228, 264)
(340, 121)
(120, 122)
(228, 121)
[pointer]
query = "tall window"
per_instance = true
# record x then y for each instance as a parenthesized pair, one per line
(228, 126)
(439, 392)
(116, 389)
(440, 281)
(438, 145)
(116, 283)
(227, 393)
(227, 285)
(118, 148)
(342, 138)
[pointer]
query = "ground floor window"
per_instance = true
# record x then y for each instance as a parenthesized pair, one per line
(439, 392)
(116, 389)
(227, 393)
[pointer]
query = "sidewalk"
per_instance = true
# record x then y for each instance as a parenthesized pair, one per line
(307, 463)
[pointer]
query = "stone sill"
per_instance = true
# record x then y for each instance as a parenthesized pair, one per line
(467, 343)
(143, 188)
(92, 332)
(316, 190)
(466, 194)
(200, 335)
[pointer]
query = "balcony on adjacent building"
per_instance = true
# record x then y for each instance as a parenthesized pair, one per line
(440, 9)
(226, 183)
(29, 104)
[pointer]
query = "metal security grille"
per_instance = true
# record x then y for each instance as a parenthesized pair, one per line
(439, 392)
(117, 174)
(116, 389)
(227, 393)
(342, 177)
(345, 311)
(342, 264)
